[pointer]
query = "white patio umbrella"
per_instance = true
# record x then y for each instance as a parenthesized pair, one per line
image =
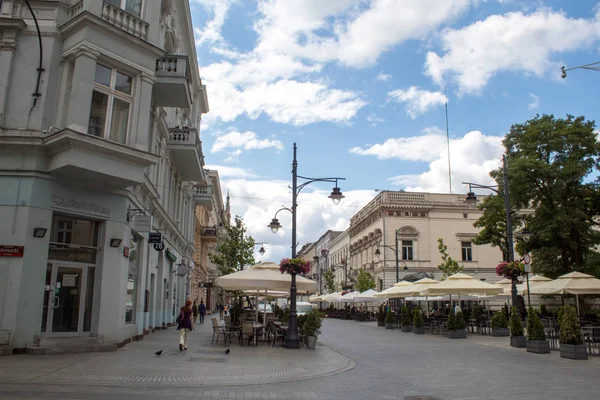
(349, 297)
(368, 296)
(572, 283)
(262, 278)
(385, 294)
(462, 284)
(332, 297)
(314, 299)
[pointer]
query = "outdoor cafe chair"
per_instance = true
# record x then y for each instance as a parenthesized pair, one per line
(247, 330)
(219, 330)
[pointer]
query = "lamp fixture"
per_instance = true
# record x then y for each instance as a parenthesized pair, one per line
(115, 242)
(262, 250)
(39, 232)
(526, 235)
(274, 225)
(336, 195)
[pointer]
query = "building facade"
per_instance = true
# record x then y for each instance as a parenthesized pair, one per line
(105, 153)
(338, 254)
(321, 258)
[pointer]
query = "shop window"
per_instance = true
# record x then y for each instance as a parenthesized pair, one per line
(111, 103)
(467, 251)
(132, 279)
(133, 7)
(407, 250)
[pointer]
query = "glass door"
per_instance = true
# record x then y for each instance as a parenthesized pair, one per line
(68, 299)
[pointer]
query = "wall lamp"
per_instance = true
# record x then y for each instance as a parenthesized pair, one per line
(115, 242)
(39, 232)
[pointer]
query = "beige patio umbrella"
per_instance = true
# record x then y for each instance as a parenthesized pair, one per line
(349, 297)
(332, 297)
(462, 284)
(534, 280)
(572, 283)
(262, 278)
(384, 294)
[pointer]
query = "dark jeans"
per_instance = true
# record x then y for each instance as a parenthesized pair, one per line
(201, 318)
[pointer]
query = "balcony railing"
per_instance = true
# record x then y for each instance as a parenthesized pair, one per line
(75, 9)
(173, 66)
(186, 147)
(125, 21)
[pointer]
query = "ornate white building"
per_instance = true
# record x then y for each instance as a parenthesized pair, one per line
(100, 111)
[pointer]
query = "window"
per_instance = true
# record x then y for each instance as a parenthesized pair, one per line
(111, 101)
(73, 239)
(407, 250)
(467, 251)
(133, 7)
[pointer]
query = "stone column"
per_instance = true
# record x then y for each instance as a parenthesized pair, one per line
(8, 45)
(82, 86)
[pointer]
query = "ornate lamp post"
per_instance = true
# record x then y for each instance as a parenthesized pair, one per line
(262, 250)
(396, 251)
(472, 199)
(526, 235)
(593, 66)
(292, 339)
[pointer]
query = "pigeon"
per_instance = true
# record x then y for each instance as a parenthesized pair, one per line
(158, 353)
(227, 351)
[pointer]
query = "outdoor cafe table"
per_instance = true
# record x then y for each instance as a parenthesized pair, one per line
(256, 327)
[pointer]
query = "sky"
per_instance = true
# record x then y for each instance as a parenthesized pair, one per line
(362, 85)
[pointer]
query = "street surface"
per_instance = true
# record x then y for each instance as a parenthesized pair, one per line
(356, 361)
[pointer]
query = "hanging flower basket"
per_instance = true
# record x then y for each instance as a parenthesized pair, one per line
(510, 270)
(296, 266)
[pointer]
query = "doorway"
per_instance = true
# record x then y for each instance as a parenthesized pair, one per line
(68, 299)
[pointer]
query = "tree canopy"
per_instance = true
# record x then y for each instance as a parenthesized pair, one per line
(329, 278)
(364, 281)
(235, 251)
(548, 162)
(448, 266)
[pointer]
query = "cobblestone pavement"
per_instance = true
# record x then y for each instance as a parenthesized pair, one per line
(390, 365)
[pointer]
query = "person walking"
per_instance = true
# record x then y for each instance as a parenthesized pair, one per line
(226, 310)
(185, 324)
(195, 311)
(220, 307)
(202, 311)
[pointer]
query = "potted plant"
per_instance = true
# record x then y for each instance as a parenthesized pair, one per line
(536, 337)
(389, 320)
(517, 339)
(301, 320)
(499, 324)
(418, 322)
(312, 327)
(571, 342)
(456, 326)
(405, 321)
(381, 316)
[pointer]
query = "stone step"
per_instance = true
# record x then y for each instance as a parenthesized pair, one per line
(67, 342)
(93, 348)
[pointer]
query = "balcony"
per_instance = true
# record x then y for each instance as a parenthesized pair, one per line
(118, 17)
(172, 87)
(88, 158)
(186, 150)
(203, 195)
(209, 234)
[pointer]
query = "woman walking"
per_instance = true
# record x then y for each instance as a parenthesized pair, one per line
(185, 324)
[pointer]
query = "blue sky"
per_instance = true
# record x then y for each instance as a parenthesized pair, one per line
(359, 85)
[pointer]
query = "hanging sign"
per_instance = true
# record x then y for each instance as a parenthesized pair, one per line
(142, 223)
(11, 251)
(154, 237)
(171, 256)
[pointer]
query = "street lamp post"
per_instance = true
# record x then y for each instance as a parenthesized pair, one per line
(526, 236)
(292, 339)
(472, 199)
(593, 66)
(396, 251)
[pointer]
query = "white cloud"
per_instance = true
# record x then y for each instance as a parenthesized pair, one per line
(374, 120)
(535, 102)
(383, 77)
(418, 101)
(231, 172)
(257, 201)
(243, 140)
(211, 32)
(514, 42)
(426, 147)
(472, 158)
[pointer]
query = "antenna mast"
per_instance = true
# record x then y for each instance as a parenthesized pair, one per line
(448, 142)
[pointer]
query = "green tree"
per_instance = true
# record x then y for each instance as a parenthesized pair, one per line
(548, 161)
(329, 277)
(364, 281)
(448, 266)
(235, 251)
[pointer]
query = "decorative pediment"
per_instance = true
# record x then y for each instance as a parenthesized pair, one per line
(408, 231)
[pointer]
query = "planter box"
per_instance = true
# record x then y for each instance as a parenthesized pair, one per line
(380, 323)
(389, 326)
(419, 330)
(406, 328)
(573, 351)
(311, 342)
(518, 341)
(460, 334)
(500, 332)
(538, 346)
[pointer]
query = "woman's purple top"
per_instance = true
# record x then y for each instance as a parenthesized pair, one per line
(186, 321)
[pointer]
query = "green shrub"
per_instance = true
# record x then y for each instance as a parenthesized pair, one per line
(570, 331)
(543, 310)
(559, 317)
(301, 321)
(516, 327)
(381, 314)
(535, 328)
(499, 320)
(389, 318)
(451, 324)
(405, 316)
(460, 321)
(312, 323)
(285, 316)
(506, 311)
(417, 318)
(476, 312)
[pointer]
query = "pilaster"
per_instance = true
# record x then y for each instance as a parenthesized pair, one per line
(82, 86)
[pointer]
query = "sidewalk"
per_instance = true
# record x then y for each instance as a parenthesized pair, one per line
(202, 364)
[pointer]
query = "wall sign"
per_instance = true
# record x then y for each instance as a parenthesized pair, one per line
(125, 251)
(154, 237)
(11, 251)
(142, 223)
(69, 280)
(159, 246)
(171, 256)
(82, 205)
